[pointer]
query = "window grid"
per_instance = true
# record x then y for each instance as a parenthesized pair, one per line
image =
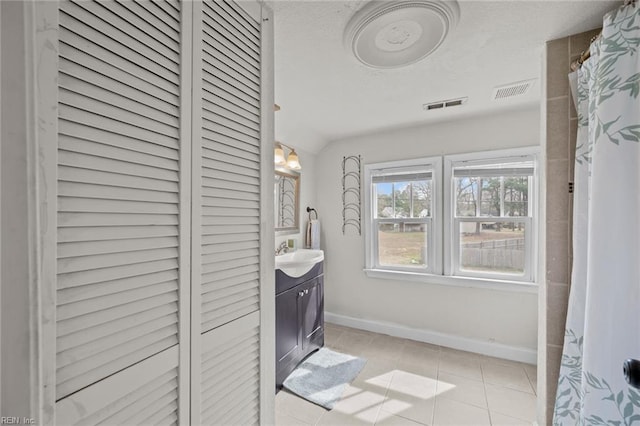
(498, 227)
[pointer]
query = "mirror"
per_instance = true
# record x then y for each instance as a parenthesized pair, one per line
(287, 191)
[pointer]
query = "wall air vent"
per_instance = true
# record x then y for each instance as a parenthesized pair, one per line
(444, 104)
(518, 88)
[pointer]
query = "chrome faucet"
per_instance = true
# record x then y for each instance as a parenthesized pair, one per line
(282, 248)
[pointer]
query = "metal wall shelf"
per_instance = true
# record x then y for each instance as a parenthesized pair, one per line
(351, 193)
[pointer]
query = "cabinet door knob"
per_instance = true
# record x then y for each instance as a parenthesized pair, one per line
(301, 293)
(306, 291)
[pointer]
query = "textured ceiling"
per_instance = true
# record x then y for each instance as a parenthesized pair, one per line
(326, 95)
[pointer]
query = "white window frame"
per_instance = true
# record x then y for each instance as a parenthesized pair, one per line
(452, 223)
(444, 224)
(434, 234)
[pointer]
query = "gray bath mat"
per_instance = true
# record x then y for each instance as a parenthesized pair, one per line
(322, 377)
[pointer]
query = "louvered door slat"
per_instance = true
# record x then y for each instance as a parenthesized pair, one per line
(80, 49)
(221, 151)
(217, 140)
(223, 31)
(98, 332)
(245, 110)
(88, 37)
(114, 219)
(98, 177)
(239, 17)
(171, 8)
(92, 162)
(211, 185)
(78, 131)
(224, 202)
(251, 22)
(100, 150)
(152, 35)
(124, 309)
(240, 415)
(218, 257)
(233, 412)
(78, 86)
(119, 205)
(236, 136)
(143, 407)
(228, 73)
(115, 113)
(113, 246)
(212, 175)
(95, 404)
(153, 414)
(221, 306)
(102, 233)
(143, 32)
(87, 306)
(75, 294)
(221, 283)
(81, 65)
(223, 50)
(152, 7)
(109, 192)
(230, 116)
(216, 394)
(230, 371)
(216, 83)
(232, 246)
(114, 273)
(118, 29)
(93, 347)
(107, 363)
(81, 204)
(240, 347)
(88, 118)
(227, 291)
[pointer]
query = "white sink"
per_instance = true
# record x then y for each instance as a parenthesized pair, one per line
(299, 262)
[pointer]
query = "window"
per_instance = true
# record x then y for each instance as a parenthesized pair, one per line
(485, 227)
(491, 221)
(402, 199)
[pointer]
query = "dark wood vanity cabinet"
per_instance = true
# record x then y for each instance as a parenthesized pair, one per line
(299, 319)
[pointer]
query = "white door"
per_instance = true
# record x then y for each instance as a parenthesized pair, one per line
(154, 314)
(227, 213)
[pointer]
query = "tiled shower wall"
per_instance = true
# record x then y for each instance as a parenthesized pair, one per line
(561, 130)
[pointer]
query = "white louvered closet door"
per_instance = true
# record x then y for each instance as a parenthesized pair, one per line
(226, 358)
(122, 310)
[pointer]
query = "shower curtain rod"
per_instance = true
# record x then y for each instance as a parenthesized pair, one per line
(587, 53)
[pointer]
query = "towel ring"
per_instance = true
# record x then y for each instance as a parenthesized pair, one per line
(310, 210)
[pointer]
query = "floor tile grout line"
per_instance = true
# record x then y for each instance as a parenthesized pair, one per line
(486, 397)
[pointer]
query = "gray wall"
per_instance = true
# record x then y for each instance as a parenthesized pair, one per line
(561, 131)
(483, 315)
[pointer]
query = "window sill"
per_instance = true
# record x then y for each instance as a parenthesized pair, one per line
(485, 283)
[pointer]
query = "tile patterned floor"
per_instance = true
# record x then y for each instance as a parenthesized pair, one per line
(409, 383)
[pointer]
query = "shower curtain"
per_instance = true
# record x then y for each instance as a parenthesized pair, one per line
(603, 320)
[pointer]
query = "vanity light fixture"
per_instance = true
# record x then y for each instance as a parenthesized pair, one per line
(278, 155)
(293, 162)
(290, 161)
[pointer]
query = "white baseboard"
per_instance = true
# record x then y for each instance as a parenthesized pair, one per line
(498, 350)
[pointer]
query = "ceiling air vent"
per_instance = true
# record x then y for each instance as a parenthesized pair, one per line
(444, 104)
(518, 88)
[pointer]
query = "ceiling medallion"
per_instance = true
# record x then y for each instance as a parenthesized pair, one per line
(392, 34)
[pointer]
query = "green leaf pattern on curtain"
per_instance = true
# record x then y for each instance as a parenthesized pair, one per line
(590, 386)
